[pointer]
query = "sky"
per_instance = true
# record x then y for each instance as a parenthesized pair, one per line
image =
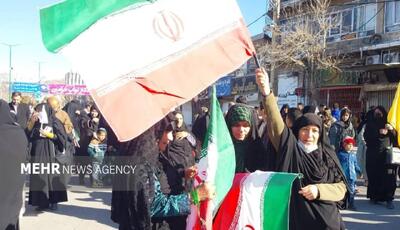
(19, 24)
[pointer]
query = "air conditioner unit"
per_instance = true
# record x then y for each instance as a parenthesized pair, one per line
(391, 57)
(373, 60)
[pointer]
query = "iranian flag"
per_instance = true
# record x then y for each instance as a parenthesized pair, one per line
(216, 166)
(258, 200)
(140, 59)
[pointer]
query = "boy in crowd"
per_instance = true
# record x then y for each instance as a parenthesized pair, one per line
(348, 160)
(97, 149)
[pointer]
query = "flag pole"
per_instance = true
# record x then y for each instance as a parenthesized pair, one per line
(256, 60)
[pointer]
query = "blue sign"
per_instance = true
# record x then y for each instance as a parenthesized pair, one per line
(25, 87)
(44, 88)
(223, 86)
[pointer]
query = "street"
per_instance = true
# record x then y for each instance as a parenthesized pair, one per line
(89, 209)
(371, 216)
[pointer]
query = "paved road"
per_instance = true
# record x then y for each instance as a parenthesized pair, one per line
(89, 209)
(371, 216)
(86, 209)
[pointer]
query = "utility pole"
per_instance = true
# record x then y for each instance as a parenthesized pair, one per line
(275, 22)
(10, 68)
(39, 73)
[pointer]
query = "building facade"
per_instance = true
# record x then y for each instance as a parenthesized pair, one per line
(366, 37)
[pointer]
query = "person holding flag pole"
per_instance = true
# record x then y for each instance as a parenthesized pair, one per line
(304, 149)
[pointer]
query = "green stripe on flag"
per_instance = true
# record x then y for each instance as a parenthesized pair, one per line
(276, 210)
(63, 22)
(218, 139)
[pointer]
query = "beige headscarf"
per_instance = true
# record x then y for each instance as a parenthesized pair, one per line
(60, 114)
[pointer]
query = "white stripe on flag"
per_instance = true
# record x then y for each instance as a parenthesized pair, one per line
(137, 47)
(254, 187)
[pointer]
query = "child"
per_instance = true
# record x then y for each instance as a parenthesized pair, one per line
(97, 149)
(348, 160)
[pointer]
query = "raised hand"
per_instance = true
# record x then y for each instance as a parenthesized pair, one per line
(263, 82)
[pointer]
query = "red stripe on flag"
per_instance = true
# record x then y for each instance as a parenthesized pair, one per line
(132, 109)
(228, 217)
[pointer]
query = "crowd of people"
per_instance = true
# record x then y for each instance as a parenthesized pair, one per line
(325, 145)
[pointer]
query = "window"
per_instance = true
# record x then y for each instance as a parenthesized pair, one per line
(365, 20)
(352, 23)
(392, 16)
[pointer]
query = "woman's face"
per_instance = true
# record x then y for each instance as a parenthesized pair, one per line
(179, 120)
(94, 113)
(309, 135)
(286, 109)
(345, 117)
(240, 130)
(378, 113)
(101, 136)
(164, 140)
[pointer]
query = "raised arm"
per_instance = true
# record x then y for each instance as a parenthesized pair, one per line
(275, 124)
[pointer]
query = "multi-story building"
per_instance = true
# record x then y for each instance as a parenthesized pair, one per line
(366, 35)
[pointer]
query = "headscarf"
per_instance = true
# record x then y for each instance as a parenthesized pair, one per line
(373, 124)
(310, 109)
(293, 114)
(183, 127)
(283, 113)
(71, 108)
(323, 142)
(250, 153)
(305, 120)
(133, 193)
(96, 109)
(237, 113)
(5, 114)
(342, 113)
(45, 110)
(63, 141)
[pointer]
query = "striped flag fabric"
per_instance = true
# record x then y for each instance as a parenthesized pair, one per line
(394, 113)
(216, 166)
(258, 200)
(146, 55)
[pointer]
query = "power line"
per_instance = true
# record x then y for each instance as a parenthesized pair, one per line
(346, 4)
(263, 15)
(377, 12)
(366, 3)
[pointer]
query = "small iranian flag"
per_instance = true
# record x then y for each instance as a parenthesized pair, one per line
(216, 166)
(146, 55)
(256, 201)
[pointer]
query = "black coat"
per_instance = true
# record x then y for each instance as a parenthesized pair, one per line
(22, 115)
(319, 166)
(13, 152)
(48, 188)
(381, 177)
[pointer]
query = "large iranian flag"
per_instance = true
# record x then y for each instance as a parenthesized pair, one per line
(140, 59)
(257, 201)
(216, 166)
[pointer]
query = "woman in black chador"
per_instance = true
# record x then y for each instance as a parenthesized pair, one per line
(250, 153)
(378, 136)
(143, 199)
(304, 149)
(13, 151)
(49, 143)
